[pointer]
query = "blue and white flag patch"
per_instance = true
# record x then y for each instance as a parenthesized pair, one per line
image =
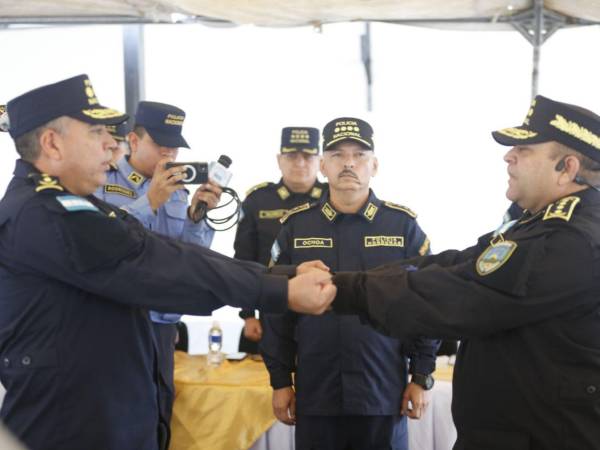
(74, 203)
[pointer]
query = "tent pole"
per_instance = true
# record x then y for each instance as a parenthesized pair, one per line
(538, 40)
(365, 47)
(133, 66)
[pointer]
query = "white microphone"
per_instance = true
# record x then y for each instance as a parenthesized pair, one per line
(219, 173)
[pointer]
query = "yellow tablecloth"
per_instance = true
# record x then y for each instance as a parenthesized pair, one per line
(229, 407)
(224, 408)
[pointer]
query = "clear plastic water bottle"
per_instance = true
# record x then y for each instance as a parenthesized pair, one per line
(215, 342)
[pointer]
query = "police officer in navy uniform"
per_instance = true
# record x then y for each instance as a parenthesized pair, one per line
(77, 276)
(266, 203)
(144, 187)
(350, 382)
(526, 299)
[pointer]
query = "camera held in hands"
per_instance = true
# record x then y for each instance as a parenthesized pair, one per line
(195, 172)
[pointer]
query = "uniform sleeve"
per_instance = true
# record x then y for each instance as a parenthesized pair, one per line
(421, 351)
(121, 261)
(277, 345)
(246, 236)
(544, 278)
(140, 209)
(197, 233)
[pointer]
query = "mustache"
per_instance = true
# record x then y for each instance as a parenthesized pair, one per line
(347, 172)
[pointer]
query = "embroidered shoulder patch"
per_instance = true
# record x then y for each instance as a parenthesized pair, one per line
(404, 209)
(562, 209)
(256, 188)
(73, 203)
(297, 209)
(494, 257)
(118, 189)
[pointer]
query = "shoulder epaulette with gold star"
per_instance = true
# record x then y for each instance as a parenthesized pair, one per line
(404, 209)
(45, 182)
(562, 209)
(257, 187)
(296, 210)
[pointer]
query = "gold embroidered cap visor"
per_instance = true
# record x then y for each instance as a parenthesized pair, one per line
(549, 120)
(73, 97)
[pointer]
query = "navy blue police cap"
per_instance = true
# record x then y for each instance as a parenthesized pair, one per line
(118, 132)
(348, 129)
(300, 139)
(163, 123)
(73, 97)
(548, 120)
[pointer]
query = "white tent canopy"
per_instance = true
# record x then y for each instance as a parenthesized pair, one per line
(284, 13)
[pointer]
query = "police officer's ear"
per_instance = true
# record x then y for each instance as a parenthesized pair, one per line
(50, 142)
(279, 156)
(568, 167)
(375, 165)
(133, 139)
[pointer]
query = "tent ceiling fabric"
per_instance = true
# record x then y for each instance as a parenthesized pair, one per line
(289, 12)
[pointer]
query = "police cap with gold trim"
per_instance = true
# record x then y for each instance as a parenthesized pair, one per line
(73, 97)
(348, 128)
(300, 139)
(549, 120)
(163, 123)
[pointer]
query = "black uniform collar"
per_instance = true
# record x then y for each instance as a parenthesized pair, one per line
(367, 212)
(563, 208)
(284, 192)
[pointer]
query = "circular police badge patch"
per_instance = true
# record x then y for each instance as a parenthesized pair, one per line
(494, 257)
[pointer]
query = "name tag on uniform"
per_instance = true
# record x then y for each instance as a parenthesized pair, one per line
(384, 241)
(73, 203)
(313, 242)
(272, 213)
(118, 189)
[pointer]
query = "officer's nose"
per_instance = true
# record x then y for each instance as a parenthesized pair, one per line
(510, 156)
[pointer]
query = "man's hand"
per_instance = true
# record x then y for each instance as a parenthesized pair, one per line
(252, 329)
(418, 398)
(311, 293)
(210, 193)
(307, 266)
(284, 405)
(164, 182)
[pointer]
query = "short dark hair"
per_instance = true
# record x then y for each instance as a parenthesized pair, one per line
(28, 144)
(140, 131)
(589, 170)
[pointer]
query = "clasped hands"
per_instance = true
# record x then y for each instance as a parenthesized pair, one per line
(311, 291)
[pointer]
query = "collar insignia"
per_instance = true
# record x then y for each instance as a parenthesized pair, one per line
(283, 192)
(370, 211)
(136, 178)
(328, 211)
(316, 192)
(45, 181)
(562, 209)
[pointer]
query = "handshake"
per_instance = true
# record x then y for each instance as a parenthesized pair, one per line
(311, 291)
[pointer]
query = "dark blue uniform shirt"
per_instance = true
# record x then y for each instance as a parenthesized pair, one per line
(77, 276)
(344, 367)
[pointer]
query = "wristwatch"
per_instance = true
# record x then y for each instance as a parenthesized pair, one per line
(425, 381)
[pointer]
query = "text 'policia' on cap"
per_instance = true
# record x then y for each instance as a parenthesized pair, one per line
(300, 139)
(73, 97)
(348, 128)
(163, 123)
(549, 120)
